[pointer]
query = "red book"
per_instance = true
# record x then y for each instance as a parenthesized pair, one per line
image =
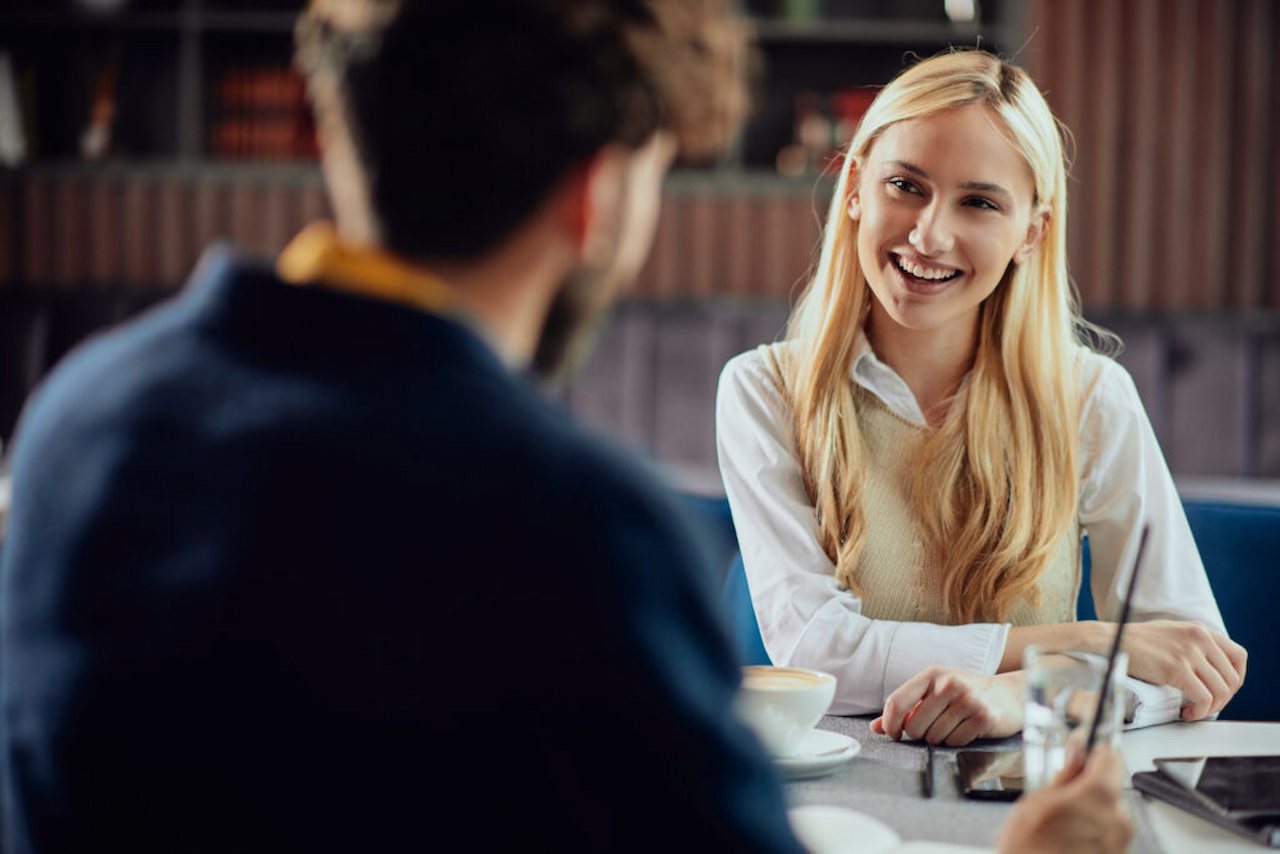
(38, 239)
(175, 234)
(105, 204)
(703, 246)
(140, 220)
(737, 265)
(279, 219)
(69, 260)
(246, 217)
(209, 211)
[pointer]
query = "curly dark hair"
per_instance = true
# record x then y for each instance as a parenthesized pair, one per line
(464, 113)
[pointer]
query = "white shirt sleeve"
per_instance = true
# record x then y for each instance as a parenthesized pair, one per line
(807, 619)
(1124, 481)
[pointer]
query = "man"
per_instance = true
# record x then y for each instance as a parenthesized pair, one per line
(299, 561)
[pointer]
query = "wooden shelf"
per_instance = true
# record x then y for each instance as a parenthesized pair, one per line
(856, 31)
(186, 20)
(713, 181)
(157, 20)
(248, 21)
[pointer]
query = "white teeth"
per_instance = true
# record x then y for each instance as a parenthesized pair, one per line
(922, 272)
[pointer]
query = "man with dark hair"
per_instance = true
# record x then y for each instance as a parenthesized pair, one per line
(299, 561)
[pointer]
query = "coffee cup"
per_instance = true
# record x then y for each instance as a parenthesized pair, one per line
(782, 704)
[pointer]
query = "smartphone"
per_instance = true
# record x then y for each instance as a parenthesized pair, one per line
(990, 775)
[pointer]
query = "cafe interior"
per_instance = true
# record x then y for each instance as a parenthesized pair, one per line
(135, 133)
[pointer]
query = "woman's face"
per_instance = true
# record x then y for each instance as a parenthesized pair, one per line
(943, 205)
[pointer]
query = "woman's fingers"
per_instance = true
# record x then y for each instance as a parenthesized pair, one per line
(1216, 656)
(901, 703)
(969, 730)
(1230, 659)
(946, 723)
(1238, 655)
(1204, 664)
(939, 702)
(940, 705)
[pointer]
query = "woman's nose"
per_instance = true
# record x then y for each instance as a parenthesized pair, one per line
(931, 235)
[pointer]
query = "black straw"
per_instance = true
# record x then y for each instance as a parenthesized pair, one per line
(1115, 645)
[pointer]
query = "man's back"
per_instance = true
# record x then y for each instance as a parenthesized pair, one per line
(294, 568)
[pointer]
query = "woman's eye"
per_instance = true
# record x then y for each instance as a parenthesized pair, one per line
(981, 203)
(902, 185)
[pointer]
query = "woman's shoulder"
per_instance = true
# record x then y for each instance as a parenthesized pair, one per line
(753, 382)
(1104, 381)
(759, 368)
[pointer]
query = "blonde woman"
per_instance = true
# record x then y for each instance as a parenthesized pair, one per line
(912, 469)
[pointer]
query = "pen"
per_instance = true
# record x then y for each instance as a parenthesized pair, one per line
(926, 776)
(1115, 645)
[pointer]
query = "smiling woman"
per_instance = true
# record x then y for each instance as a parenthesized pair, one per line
(911, 471)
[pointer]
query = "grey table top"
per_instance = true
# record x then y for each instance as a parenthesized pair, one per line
(885, 781)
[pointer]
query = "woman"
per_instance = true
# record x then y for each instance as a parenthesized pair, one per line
(911, 470)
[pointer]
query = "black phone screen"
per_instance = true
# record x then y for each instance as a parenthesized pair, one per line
(990, 774)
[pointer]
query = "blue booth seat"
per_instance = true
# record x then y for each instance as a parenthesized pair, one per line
(1240, 545)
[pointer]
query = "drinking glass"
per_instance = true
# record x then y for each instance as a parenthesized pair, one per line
(1062, 698)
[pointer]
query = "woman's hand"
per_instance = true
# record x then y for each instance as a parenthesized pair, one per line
(1207, 666)
(1081, 811)
(952, 707)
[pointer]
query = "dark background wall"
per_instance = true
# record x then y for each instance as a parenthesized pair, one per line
(1174, 234)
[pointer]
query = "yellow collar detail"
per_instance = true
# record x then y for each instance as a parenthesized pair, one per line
(317, 255)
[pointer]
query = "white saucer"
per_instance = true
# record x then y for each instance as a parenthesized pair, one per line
(821, 752)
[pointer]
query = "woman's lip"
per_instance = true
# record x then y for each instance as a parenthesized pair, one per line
(919, 286)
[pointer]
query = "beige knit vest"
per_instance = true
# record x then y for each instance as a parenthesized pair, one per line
(893, 573)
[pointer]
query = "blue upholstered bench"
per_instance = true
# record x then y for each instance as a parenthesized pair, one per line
(1240, 544)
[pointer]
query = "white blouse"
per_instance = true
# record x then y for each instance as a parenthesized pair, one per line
(818, 623)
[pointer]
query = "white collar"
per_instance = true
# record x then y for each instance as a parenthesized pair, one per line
(883, 381)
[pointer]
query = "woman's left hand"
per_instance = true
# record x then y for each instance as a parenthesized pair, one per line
(952, 707)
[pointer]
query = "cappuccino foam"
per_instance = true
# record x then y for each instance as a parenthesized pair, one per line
(762, 678)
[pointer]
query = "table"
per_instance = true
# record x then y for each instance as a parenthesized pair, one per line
(885, 781)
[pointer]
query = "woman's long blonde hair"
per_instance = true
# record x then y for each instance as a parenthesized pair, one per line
(995, 486)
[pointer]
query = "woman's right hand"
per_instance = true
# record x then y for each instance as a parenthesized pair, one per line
(1207, 666)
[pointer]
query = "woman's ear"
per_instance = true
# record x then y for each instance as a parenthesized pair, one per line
(1036, 231)
(855, 200)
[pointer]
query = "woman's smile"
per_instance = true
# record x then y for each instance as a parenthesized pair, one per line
(921, 277)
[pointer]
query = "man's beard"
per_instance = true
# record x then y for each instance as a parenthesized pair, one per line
(578, 311)
(573, 322)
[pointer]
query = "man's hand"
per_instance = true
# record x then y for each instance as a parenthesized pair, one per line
(1208, 667)
(952, 707)
(1081, 811)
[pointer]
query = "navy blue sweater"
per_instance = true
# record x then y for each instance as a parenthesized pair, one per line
(292, 569)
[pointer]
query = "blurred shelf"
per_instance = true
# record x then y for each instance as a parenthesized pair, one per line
(870, 31)
(249, 171)
(713, 182)
(187, 20)
(160, 20)
(248, 21)
(756, 182)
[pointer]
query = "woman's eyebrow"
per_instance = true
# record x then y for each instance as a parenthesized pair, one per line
(983, 187)
(978, 186)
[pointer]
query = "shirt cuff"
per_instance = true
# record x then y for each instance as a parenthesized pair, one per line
(1149, 705)
(975, 648)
